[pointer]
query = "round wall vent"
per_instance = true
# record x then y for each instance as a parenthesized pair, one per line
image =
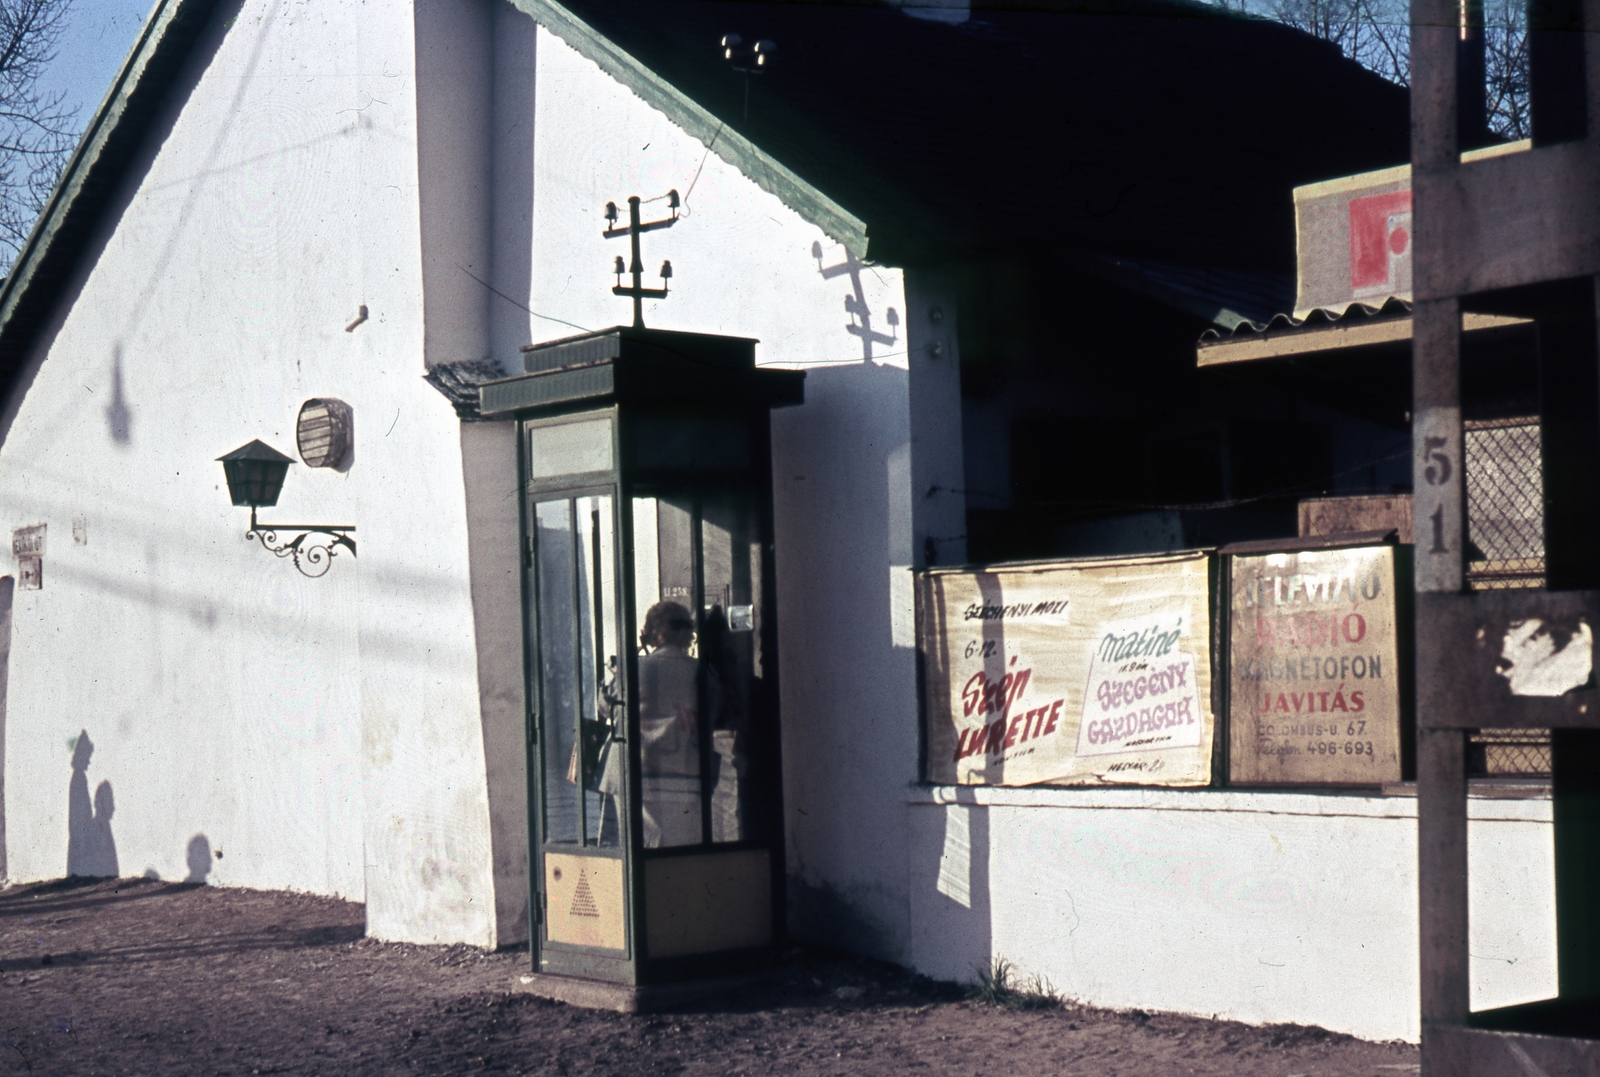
(324, 431)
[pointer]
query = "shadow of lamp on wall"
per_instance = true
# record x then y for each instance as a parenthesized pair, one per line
(255, 478)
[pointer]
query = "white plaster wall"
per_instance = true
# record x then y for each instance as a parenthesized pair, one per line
(1259, 907)
(282, 718)
(744, 264)
(742, 259)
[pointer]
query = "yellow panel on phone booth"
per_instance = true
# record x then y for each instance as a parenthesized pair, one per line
(585, 903)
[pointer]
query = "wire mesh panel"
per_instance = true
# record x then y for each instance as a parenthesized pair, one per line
(1509, 753)
(1505, 524)
(1505, 504)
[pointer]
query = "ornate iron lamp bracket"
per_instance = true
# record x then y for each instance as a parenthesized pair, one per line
(313, 558)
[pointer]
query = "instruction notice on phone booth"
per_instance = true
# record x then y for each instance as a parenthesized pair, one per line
(1070, 672)
(1314, 675)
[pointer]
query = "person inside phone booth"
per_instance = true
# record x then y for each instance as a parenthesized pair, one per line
(669, 727)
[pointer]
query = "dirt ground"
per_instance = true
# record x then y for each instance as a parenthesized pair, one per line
(143, 977)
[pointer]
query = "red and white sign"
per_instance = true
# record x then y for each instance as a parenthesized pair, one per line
(1353, 241)
(1353, 237)
(1380, 244)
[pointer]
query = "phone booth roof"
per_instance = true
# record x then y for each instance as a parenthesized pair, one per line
(625, 363)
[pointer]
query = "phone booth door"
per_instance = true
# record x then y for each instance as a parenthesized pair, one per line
(581, 758)
(707, 731)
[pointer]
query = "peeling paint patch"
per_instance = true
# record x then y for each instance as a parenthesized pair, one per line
(1542, 660)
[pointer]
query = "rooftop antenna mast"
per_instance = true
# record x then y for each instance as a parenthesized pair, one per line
(637, 290)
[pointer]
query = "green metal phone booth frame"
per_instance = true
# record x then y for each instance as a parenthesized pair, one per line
(655, 803)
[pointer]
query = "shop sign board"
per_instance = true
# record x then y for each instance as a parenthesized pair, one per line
(1314, 679)
(27, 546)
(1070, 672)
(1353, 236)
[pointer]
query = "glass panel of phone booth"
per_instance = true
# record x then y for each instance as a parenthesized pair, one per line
(697, 675)
(602, 710)
(730, 649)
(569, 447)
(669, 673)
(580, 696)
(558, 679)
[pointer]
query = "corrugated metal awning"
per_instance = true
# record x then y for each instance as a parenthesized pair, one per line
(1323, 331)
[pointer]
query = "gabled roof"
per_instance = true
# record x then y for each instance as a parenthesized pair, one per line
(1161, 132)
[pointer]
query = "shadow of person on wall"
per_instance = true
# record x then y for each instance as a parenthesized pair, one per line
(91, 850)
(199, 859)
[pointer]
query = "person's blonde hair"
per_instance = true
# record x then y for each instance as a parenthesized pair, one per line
(665, 620)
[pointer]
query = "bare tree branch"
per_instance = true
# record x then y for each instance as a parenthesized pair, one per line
(1372, 32)
(1506, 61)
(1377, 34)
(37, 130)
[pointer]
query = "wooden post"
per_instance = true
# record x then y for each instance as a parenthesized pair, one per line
(1569, 373)
(1472, 105)
(1433, 83)
(1569, 407)
(1467, 218)
(1556, 95)
(1438, 482)
(1591, 56)
(1441, 753)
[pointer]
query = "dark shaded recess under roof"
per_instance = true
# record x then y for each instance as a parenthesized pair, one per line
(1226, 297)
(1092, 392)
(1499, 369)
(1144, 129)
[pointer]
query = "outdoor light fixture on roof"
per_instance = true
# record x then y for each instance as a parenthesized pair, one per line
(747, 60)
(255, 473)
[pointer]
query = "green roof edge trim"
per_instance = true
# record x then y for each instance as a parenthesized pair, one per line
(83, 158)
(771, 176)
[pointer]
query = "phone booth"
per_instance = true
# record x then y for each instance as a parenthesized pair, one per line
(654, 796)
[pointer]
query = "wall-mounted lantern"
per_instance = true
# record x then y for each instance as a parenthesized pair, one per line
(255, 473)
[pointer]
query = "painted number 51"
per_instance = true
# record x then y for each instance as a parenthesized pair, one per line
(1436, 473)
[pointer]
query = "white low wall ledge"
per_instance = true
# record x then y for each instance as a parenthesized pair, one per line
(1362, 805)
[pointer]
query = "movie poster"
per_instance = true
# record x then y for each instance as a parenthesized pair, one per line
(1069, 672)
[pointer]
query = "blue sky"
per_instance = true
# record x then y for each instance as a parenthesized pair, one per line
(99, 34)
